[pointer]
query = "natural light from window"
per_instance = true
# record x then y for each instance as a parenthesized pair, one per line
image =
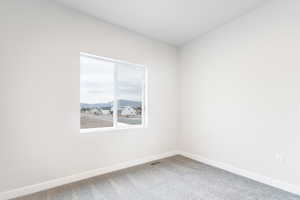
(112, 93)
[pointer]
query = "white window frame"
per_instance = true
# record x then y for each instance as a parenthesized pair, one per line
(115, 104)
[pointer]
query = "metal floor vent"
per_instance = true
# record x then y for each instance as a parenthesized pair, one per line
(155, 163)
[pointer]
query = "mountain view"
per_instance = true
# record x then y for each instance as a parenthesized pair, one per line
(122, 103)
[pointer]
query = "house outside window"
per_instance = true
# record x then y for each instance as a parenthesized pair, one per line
(112, 94)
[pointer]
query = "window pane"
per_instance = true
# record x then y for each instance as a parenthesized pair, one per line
(130, 92)
(96, 93)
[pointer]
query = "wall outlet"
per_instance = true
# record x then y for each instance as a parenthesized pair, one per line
(280, 157)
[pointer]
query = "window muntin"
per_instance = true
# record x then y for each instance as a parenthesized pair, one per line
(112, 93)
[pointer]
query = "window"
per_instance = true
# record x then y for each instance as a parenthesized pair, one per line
(112, 93)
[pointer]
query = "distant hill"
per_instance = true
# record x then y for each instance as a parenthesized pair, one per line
(134, 104)
(97, 105)
(122, 103)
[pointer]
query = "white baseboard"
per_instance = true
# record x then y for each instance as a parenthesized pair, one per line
(259, 178)
(77, 177)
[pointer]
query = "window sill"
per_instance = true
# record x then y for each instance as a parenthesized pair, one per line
(108, 129)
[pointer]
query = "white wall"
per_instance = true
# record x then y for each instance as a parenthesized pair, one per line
(40, 43)
(240, 92)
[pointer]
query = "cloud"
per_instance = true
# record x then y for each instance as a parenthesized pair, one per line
(97, 81)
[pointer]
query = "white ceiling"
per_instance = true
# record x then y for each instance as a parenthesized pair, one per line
(173, 21)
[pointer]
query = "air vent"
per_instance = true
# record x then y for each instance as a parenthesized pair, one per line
(155, 163)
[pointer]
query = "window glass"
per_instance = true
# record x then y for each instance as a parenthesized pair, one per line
(112, 93)
(96, 93)
(130, 87)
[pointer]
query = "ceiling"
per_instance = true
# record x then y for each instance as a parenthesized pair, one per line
(173, 21)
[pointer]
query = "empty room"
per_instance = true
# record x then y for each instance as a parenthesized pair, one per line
(150, 99)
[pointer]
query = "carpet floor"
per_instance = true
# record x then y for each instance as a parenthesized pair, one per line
(174, 178)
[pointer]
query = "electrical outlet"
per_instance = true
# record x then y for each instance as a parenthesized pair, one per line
(280, 157)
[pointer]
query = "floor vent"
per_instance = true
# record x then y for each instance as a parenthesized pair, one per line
(155, 163)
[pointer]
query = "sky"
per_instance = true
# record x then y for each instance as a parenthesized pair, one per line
(97, 81)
